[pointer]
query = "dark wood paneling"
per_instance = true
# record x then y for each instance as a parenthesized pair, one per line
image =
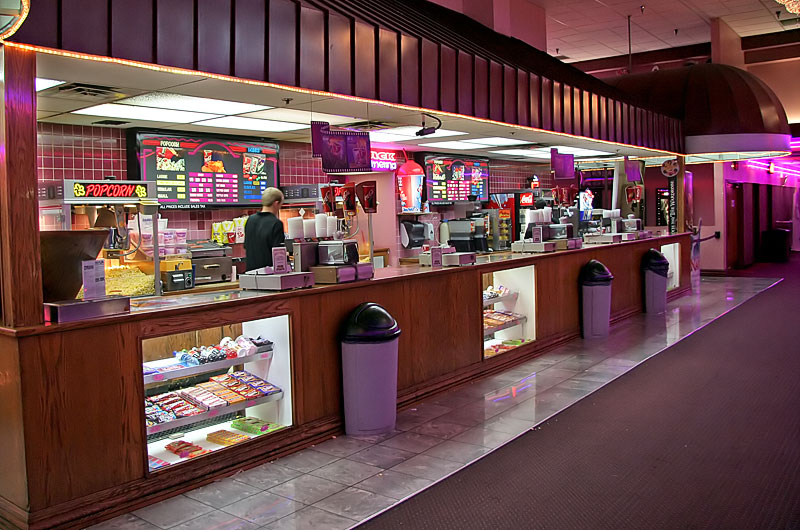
(175, 33)
(214, 31)
(602, 118)
(465, 83)
(132, 30)
(68, 384)
(523, 98)
(282, 42)
(586, 113)
(340, 64)
(312, 48)
(20, 271)
(388, 67)
(509, 94)
(566, 102)
(495, 91)
(626, 123)
(250, 36)
(41, 26)
(12, 466)
(536, 100)
(84, 30)
(365, 60)
(481, 87)
(547, 103)
(595, 120)
(409, 70)
(447, 79)
(558, 107)
(430, 75)
(618, 120)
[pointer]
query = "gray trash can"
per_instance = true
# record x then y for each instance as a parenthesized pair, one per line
(369, 370)
(655, 270)
(595, 282)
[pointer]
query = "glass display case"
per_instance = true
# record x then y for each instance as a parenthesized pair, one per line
(509, 305)
(209, 389)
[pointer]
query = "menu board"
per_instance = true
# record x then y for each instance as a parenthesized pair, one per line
(194, 171)
(455, 179)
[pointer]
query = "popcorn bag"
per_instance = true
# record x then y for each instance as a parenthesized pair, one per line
(239, 223)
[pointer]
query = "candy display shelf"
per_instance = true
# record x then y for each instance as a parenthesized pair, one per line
(510, 324)
(201, 368)
(198, 437)
(197, 418)
(505, 298)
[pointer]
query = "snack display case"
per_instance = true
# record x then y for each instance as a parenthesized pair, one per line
(509, 304)
(209, 389)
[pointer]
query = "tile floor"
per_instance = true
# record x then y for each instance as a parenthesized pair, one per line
(344, 480)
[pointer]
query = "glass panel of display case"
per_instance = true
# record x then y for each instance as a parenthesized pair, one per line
(209, 389)
(673, 254)
(509, 304)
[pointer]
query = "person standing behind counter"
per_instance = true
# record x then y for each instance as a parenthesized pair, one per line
(264, 230)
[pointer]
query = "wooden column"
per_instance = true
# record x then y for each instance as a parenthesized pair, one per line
(20, 258)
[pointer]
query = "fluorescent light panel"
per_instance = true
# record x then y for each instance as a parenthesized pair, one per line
(380, 136)
(523, 152)
(300, 116)
(251, 124)
(44, 84)
(133, 112)
(496, 141)
(454, 145)
(164, 100)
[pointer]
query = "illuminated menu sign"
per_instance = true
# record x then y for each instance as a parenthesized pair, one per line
(198, 172)
(107, 191)
(455, 179)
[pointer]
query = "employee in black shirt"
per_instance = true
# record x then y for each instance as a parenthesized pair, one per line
(264, 230)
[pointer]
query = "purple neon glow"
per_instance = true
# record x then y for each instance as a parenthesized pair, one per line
(777, 169)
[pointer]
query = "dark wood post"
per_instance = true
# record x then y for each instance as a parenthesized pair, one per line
(20, 257)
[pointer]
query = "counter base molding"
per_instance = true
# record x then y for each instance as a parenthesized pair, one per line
(73, 420)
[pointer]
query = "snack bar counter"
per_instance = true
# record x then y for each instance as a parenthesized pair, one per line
(133, 408)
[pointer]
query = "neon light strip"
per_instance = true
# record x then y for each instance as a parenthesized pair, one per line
(220, 77)
(777, 169)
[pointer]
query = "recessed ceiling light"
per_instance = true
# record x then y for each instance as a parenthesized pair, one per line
(380, 136)
(496, 141)
(163, 100)
(412, 132)
(133, 112)
(44, 84)
(252, 124)
(300, 116)
(577, 151)
(523, 152)
(454, 145)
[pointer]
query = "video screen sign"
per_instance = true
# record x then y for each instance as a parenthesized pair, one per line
(455, 179)
(193, 171)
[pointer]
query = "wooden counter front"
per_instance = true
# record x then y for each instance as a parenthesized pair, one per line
(71, 415)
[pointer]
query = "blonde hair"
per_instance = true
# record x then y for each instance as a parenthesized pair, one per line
(270, 196)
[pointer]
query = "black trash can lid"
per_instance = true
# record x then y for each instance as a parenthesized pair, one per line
(595, 273)
(654, 261)
(369, 323)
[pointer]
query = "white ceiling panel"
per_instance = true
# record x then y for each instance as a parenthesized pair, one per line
(591, 29)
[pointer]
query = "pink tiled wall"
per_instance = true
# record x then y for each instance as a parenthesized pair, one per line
(76, 152)
(510, 175)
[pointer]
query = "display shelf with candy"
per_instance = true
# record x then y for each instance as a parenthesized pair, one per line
(493, 296)
(211, 413)
(494, 321)
(494, 347)
(198, 360)
(168, 369)
(161, 457)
